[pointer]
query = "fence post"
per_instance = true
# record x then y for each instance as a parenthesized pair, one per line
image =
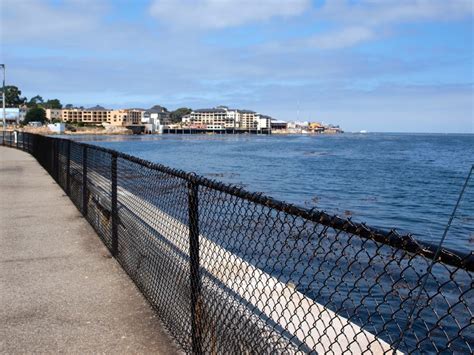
(57, 166)
(114, 205)
(196, 301)
(84, 181)
(68, 168)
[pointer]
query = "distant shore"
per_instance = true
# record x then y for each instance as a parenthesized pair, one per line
(44, 130)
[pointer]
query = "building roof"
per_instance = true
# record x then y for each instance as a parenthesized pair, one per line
(245, 111)
(97, 108)
(213, 110)
(157, 109)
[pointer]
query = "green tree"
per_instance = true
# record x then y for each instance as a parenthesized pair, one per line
(35, 114)
(35, 101)
(54, 103)
(177, 115)
(13, 96)
(69, 106)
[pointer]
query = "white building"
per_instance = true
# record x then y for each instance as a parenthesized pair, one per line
(222, 117)
(58, 127)
(156, 117)
(13, 115)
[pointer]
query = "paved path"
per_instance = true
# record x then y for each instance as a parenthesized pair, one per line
(60, 291)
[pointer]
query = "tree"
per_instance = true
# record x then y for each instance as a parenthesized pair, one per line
(34, 101)
(13, 96)
(177, 115)
(54, 103)
(69, 106)
(35, 114)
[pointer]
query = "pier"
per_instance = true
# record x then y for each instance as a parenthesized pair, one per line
(60, 289)
(215, 131)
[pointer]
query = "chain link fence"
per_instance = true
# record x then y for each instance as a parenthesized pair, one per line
(230, 271)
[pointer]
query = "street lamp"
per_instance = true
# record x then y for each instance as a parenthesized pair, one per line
(3, 99)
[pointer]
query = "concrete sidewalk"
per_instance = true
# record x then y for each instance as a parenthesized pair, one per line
(60, 291)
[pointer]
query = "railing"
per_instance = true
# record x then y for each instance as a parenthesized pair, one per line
(229, 271)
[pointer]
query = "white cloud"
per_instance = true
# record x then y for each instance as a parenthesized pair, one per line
(384, 12)
(37, 20)
(215, 14)
(367, 20)
(345, 37)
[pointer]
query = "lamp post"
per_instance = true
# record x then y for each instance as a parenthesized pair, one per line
(3, 99)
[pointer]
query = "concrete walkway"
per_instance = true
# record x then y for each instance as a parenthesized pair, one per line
(60, 291)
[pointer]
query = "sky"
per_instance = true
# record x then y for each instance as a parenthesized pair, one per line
(376, 65)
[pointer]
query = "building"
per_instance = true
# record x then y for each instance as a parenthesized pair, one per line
(155, 118)
(298, 125)
(157, 115)
(53, 114)
(279, 125)
(264, 122)
(59, 128)
(222, 117)
(316, 127)
(215, 117)
(96, 115)
(135, 115)
(13, 115)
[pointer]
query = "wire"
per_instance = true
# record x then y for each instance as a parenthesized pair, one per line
(435, 257)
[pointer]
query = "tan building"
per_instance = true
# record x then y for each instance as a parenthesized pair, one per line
(95, 116)
(135, 115)
(53, 114)
(248, 119)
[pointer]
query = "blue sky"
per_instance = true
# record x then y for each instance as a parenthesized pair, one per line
(378, 65)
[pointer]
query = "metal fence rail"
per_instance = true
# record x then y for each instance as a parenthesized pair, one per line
(230, 271)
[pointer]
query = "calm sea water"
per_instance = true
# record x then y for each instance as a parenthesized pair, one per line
(409, 182)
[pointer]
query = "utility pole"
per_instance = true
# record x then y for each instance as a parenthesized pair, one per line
(3, 99)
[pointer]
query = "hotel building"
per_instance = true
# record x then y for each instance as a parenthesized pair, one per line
(95, 116)
(222, 117)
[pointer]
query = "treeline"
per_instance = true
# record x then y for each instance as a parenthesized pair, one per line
(36, 105)
(13, 98)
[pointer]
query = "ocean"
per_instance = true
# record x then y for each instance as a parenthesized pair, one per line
(407, 182)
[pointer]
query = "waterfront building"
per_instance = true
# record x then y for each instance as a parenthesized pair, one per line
(297, 125)
(53, 114)
(316, 127)
(157, 115)
(96, 115)
(155, 118)
(264, 122)
(212, 117)
(222, 117)
(279, 125)
(135, 115)
(13, 115)
(331, 129)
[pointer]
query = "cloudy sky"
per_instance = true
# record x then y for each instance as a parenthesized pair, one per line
(379, 65)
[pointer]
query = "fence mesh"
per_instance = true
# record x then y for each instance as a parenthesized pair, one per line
(229, 271)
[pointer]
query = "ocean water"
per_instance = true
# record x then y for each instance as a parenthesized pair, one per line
(407, 182)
